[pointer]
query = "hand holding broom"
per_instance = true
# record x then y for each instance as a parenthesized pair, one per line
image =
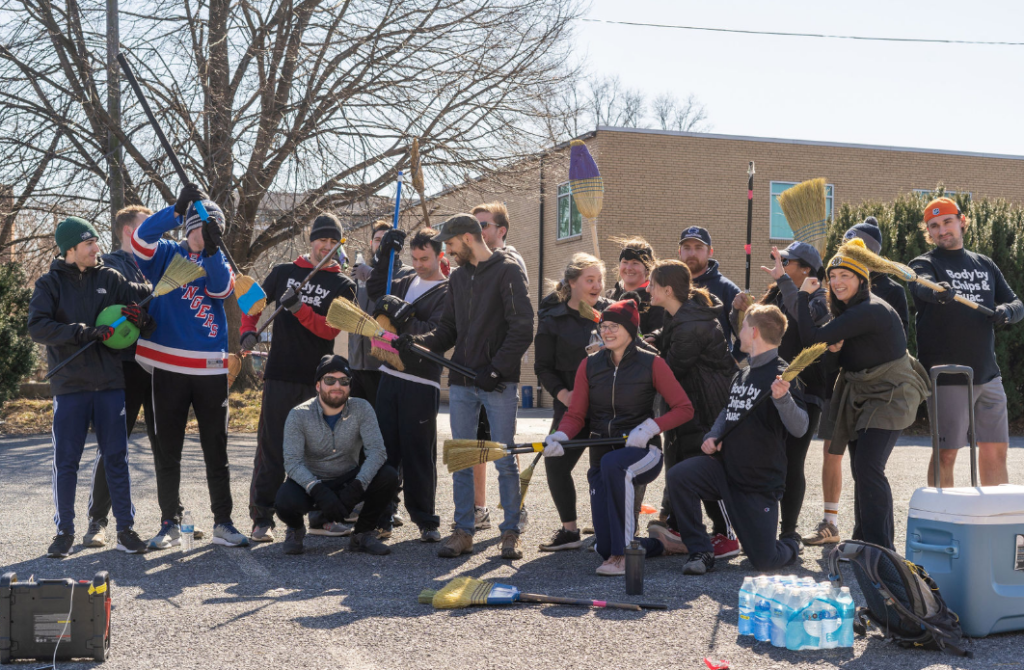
(462, 454)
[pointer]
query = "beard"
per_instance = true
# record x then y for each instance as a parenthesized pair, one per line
(464, 256)
(334, 401)
(696, 267)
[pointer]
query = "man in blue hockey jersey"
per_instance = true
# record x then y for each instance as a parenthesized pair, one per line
(189, 360)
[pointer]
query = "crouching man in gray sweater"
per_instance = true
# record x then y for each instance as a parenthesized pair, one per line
(323, 440)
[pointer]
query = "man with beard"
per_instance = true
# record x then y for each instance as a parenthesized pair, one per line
(488, 318)
(696, 251)
(950, 333)
(301, 338)
(325, 438)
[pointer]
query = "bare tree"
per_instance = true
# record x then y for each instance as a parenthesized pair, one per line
(690, 115)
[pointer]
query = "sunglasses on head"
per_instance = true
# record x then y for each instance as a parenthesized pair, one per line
(331, 381)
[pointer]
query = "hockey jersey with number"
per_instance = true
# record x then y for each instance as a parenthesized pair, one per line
(191, 335)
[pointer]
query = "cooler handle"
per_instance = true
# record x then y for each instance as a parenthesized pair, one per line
(952, 550)
(933, 403)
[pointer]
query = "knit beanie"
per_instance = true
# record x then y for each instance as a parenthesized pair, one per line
(332, 363)
(869, 232)
(71, 232)
(626, 313)
(193, 220)
(844, 261)
(325, 225)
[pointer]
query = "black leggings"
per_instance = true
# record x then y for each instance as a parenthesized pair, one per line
(872, 497)
(796, 483)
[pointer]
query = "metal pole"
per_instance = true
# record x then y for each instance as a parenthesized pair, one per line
(115, 161)
(750, 219)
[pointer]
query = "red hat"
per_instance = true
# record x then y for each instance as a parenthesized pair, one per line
(625, 313)
(940, 207)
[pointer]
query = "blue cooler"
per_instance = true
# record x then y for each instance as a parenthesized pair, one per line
(971, 540)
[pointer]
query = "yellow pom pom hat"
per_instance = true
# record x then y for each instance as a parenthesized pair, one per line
(841, 261)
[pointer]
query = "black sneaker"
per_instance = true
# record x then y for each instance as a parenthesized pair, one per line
(700, 563)
(61, 547)
(293, 540)
(563, 539)
(369, 543)
(129, 542)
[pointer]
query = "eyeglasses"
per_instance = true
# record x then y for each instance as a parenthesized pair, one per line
(608, 327)
(331, 381)
(785, 262)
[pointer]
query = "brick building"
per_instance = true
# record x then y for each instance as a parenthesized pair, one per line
(659, 182)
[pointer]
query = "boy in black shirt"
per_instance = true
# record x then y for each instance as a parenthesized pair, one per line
(749, 474)
(949, 333)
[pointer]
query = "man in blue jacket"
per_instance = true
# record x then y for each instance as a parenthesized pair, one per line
(696, 251)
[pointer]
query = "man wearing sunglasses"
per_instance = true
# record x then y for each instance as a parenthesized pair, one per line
(324, 440)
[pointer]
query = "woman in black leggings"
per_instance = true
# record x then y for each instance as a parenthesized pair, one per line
(559, 348)
(879, 387)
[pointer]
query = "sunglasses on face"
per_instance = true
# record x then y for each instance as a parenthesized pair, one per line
(331, 381)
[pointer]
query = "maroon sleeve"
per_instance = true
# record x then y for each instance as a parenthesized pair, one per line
(680, 407)
(576, 415)
(316, 323)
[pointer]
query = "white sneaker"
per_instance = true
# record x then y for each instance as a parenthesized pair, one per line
(482, 518)
(332, 529)
(227, 535)
(169, 536)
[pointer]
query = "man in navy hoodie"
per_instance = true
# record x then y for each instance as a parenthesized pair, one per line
(695, 250)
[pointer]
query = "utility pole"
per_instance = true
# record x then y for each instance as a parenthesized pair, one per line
(114, 161)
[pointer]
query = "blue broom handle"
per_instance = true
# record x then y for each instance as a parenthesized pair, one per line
(394, 225)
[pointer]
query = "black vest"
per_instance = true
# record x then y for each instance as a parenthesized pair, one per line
(620, 398)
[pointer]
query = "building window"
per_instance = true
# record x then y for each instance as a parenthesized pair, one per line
(780, 229)
(926, 193)
(570, 221)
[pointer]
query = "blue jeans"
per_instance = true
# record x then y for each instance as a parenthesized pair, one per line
(464, 404)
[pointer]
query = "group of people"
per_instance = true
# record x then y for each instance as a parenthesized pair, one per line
(677, 365)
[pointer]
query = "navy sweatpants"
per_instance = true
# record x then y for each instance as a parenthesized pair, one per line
(612, 495)
(754, 515)
(72, 414)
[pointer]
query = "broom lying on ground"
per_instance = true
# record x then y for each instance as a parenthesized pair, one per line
(856, 250)
(806, 212)
(180, 271)
(462, 454)
(466, 591)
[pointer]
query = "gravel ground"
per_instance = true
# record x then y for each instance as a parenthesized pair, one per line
(256, 608)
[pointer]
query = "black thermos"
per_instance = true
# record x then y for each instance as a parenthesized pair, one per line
(635, 569)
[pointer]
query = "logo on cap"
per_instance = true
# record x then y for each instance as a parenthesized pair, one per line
(935, 211)
(836, 261)
(849, 235)
(86, 235)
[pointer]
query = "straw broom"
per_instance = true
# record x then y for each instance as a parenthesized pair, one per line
(462, 454)
(345, 315)
(587, 312)
(856, 250)
(806, 212)
(466, 591)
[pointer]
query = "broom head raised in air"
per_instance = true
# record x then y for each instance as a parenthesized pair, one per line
(587, 312)
(345, 315)
(250, 295)
(855, 249)
(180, 271)
(585, 181)
(806, 213)
(803, 360)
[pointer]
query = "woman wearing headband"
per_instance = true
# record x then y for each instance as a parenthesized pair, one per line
(636, 260)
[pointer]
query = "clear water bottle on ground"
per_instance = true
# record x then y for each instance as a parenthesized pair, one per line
(829, 619)
(847, 609)
(796, 635)
(780, 615)
(746, 622)
(188, 531)
(763, 610)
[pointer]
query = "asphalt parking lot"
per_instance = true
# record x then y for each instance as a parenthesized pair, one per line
(220, 607)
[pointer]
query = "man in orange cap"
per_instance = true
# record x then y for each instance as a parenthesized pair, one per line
(950, 333)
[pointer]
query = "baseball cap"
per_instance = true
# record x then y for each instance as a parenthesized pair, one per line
(804, 252)
(940, 207)
(696, 233)
(457, 225)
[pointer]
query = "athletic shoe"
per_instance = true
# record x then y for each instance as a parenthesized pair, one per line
(381, 533)
(169, 536)
(61, 546)
(511, 547)
(96, 535)
(397, 521)
(262, 534)
(354, 514)
(524, 519)
(700, 563)
(724, 547)
(227, 535)
(825, 533)
(458, 543)
(369, 543)
(332, 529)
(293, 540)
(795, 536)
(129, 542)
(657, 522)
(563, 539)
(669, 539)
(430, 535)
(612, 569)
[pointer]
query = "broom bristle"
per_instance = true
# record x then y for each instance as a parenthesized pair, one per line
(806, 212)
(803, 360)
(856, 250)
(426, 596)
(471, 444)
(587, 312)
(462, 592)
(388, 354)
(460, 459)
(344, 315)
(179, 272)
(524, 480)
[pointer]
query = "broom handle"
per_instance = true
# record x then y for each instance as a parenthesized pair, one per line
(750, 219)
(423, 352)
(531, 447)
(319, 266)
(394, 226)
(604, 604)
(927, 283)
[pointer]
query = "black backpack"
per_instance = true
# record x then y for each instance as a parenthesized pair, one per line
(902, 600)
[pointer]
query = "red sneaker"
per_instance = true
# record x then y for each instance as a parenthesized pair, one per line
(724, 547)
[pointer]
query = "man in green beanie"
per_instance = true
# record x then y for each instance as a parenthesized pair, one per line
(90, 389)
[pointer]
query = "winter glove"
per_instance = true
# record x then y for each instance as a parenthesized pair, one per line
(291, 300)
(404, 343)
(487, 379)
(1000, 315)
(97, 334)
(138, 316)
(350, 496)
(211, 237)
(642, 434)
(393, 240)
(553, 444)
(947, 296)
(397, 310)
(328, 503)
(248, 341)
(189, 194)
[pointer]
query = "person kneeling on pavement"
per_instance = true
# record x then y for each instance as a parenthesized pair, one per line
(746, 469)
(324, 438)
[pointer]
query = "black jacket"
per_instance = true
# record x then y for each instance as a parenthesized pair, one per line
(651, 318)
(561, 345)
(620, 398)
(124, 262)
(487, 317)
(64, 302)
(694, 346)
(893, 293)
(722, 288)
(427, 311)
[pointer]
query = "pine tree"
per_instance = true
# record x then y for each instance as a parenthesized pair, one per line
(19, 352)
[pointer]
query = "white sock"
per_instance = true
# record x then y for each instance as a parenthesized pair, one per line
(832, 513)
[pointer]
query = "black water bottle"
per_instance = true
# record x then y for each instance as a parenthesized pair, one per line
(635, 569)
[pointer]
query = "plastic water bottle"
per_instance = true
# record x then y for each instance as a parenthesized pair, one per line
(746, 622)
(188, 531)
(829, 619)
(796, 635)
(847, 609)
(780, 615)
(763, 610)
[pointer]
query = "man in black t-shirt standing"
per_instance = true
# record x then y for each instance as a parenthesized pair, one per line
(951, 333)
(301, 338)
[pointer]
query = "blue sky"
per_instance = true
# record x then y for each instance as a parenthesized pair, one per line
(942, 96)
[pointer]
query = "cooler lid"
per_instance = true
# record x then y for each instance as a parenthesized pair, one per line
(999, 504)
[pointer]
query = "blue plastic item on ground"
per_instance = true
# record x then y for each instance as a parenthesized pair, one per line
(527, 397)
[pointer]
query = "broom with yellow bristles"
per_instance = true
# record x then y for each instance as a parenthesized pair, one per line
(588, 312)
(462, 454)
(856, 250)
(466, 591)
(806, 212)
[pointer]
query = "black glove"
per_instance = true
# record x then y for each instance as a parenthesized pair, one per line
(291, 300)
(138, 316)
(351, 495)
(393, 240)
(947, 296)
(211, 237)
(487, 378)
(404, 343)
(328, 503)
(397, 310)
(189, 194)
(97, 334)
(248, 341)
(1000, 315)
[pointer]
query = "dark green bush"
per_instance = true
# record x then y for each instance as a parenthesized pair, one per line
(18, 358)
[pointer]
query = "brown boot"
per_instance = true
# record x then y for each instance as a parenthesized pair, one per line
(458, 543)
(511, 548)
